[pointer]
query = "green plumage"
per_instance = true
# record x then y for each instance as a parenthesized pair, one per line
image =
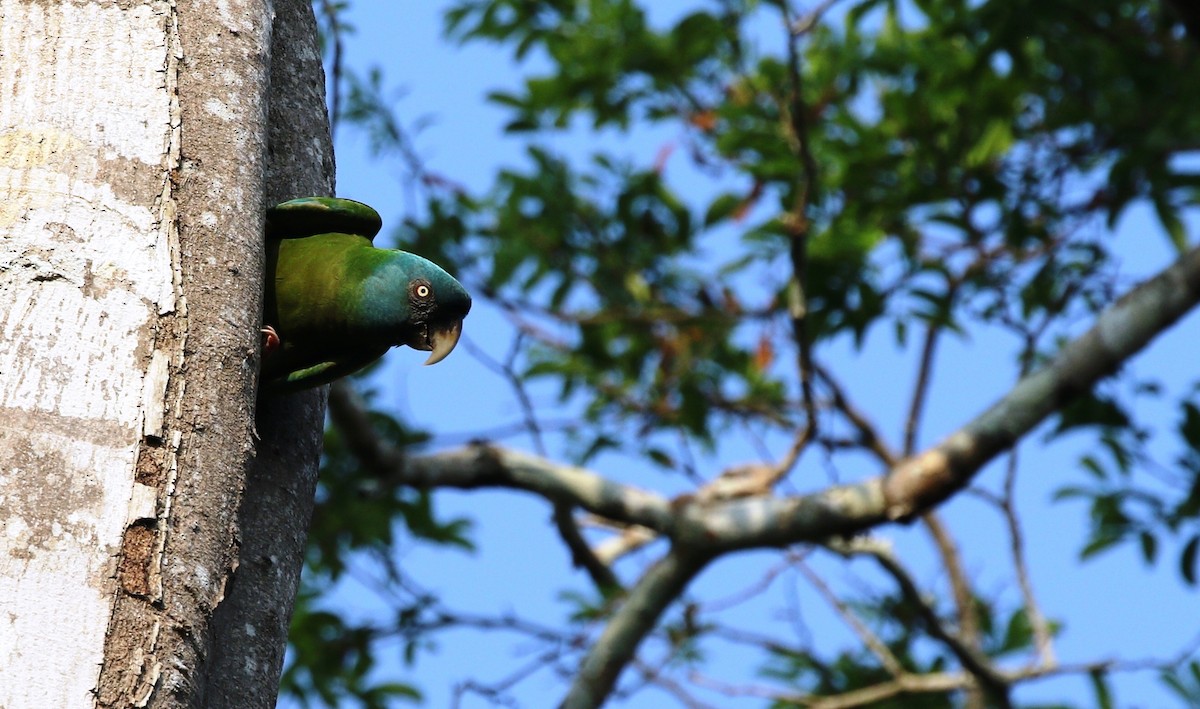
(337, 303)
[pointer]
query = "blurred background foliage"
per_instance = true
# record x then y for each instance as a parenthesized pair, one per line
(922, 169)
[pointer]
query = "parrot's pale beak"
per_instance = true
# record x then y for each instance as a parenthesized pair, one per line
(442, 340)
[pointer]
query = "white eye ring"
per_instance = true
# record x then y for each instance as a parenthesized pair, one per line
(422, 291)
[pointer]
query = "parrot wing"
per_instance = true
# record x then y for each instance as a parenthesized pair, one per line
(309, 216)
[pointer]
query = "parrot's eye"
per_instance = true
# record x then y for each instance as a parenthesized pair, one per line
(421, 290)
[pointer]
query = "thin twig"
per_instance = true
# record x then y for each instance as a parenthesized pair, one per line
(502, 431)
(780, 470)
(655, 677)
(868, 434)
(938, 682)
(757, 588)
(581, 554)
(869, 638)
(807, 21)
(495, 692)
(741, 637)
(921, 388)
(971, 659)
(797, 223)
(1043, 638)
(964, 597)
(960, 588)
(330, 10)
(507, 370)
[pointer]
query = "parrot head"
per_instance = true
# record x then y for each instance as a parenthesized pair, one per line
(417, 303)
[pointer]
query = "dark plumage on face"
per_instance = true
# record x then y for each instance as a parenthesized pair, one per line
(419, 302)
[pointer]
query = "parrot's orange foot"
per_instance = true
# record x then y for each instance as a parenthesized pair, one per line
(272, 340)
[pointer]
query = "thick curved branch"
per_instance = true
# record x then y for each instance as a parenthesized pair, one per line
(480, 465)
(703, 528)
(661, 585)
(920, 482)
(1120, 332)
(909, 488)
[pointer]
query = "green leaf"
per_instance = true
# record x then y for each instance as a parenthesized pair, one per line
(1091, 410)
(1149, 545)
(661, 457)
(1187, 560)
(1100, 687)
(1069, 492)
(1097, 545)
(1093, 466)
(721, 208)
(1189, 428)
(1018, 634)
(1184, 682)
(996, 140)
(397, 690)
(1172, 224)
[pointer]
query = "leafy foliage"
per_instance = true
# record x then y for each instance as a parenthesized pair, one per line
(331, 656)
(939, 166)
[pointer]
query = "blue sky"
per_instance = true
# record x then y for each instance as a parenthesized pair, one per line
(1112, 606)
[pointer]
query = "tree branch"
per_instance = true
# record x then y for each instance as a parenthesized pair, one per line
(920, 482)
(582, 554)
(864, 633)
(795, 111)
(937, 682)
(960, 587)
(909, 488)
(964, 596)
(658, 588)
(629, 540)
(921, 389)
(1005, 503)
(702, 529)
(1042, 636)
(969, 657)
(480, 465)
(1121, 331)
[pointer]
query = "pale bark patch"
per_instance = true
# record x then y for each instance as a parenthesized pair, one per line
(85, 270)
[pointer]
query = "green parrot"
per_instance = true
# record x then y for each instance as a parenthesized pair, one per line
(334, 303)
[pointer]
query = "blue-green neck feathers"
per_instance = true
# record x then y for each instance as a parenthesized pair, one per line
(392, 296)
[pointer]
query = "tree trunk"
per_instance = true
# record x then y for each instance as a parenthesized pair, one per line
(132, 172)
(251, 626)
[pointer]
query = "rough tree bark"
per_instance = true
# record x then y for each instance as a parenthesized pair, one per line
(133, 160)
(251, 627)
